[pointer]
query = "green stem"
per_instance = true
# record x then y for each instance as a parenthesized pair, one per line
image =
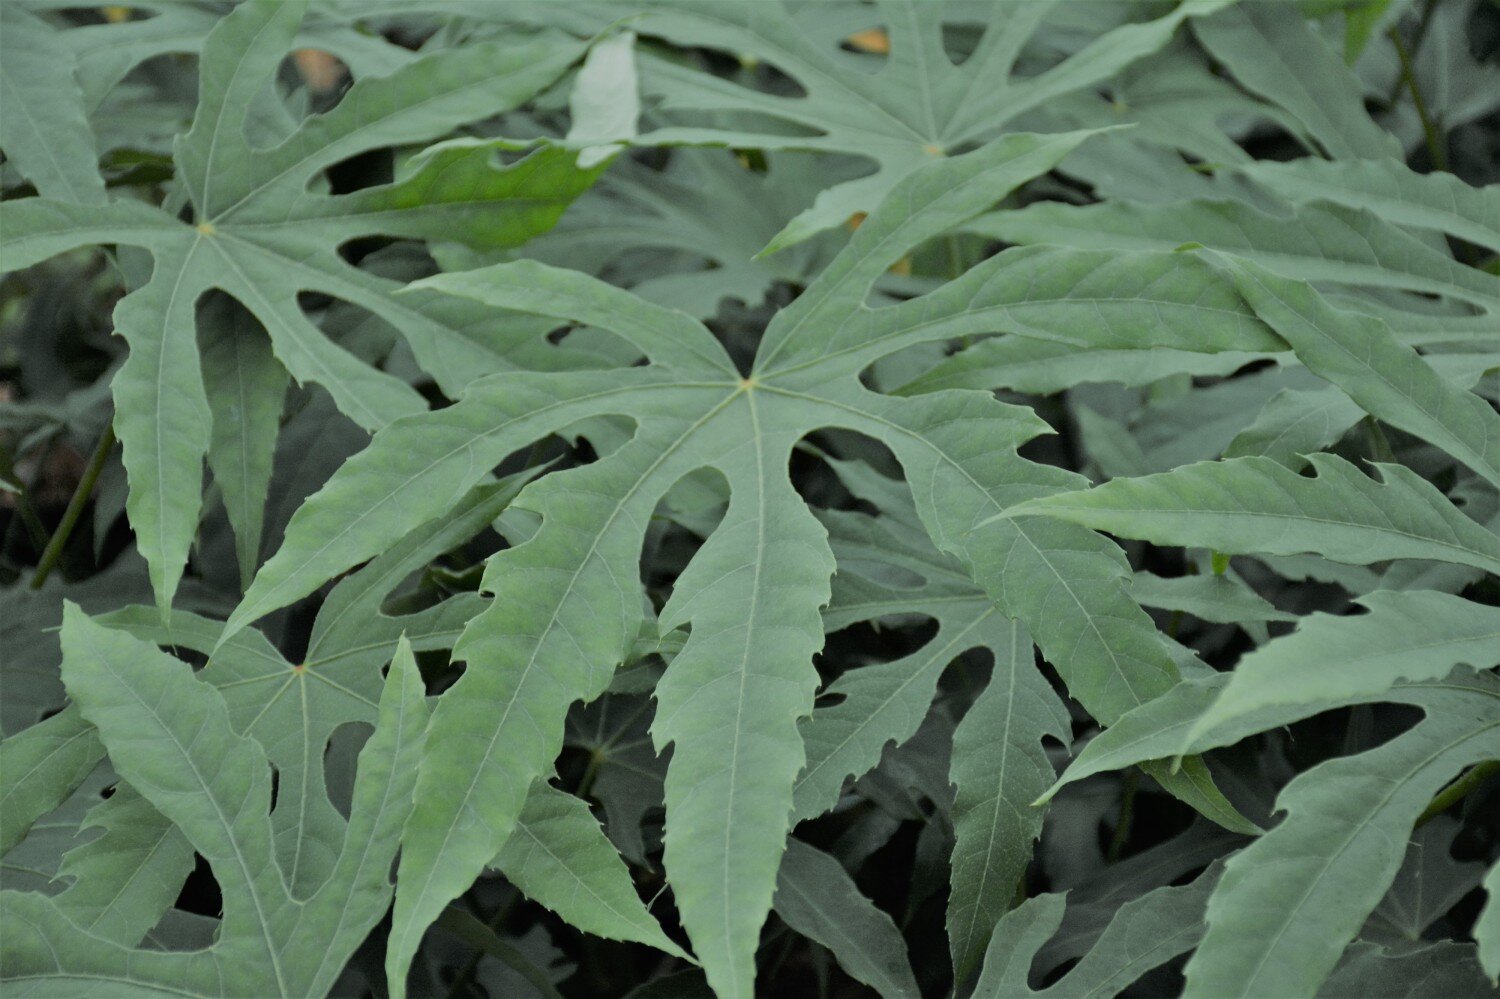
(79, 500)
(1437, 149)
(590, 774)
(33, 524)
(1458, 790)
(479, 936)
(35, 530)
(1380, 445)
(1174, 623)
(955, 256)
(1127, 816)
(1424, 21)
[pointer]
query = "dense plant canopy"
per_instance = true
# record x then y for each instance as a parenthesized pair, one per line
(736, 497)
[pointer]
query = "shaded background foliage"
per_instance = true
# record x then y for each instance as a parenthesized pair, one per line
(1347, 144)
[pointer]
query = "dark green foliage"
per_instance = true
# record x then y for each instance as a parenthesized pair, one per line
(744, 497)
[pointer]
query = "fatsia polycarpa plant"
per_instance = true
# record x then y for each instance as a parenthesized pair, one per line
(802, 572)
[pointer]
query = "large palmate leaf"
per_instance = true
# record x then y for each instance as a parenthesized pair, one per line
(169, 734)
(292, 710)
(262, 232)
(793, 432)
(900, 108)
(730, 699)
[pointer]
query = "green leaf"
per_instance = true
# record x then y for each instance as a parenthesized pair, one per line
(628, 777)
(336, 919)
(604, 101)
(1102, 300)
(706, 213)
(1389, 379)
(1257, 506)
(125, 879)
(1487, 928)
(1216, 597)
(721, 513)
(1297, 422)
(817, 898)
(561, 859)
(730, 700)
(1430, 883)
(169, 734)
(998, 766)
(1408, 635)
(149, 710)
(353, 634)
(1283, 59)
(1291, 902)
(291, 712)
(246, 388)
(1329, 661)
(39, 767)
(1438, 201)
(1315, 242)
(1444, 968)
(1146, 932)
(1045, 367)
(44, 131)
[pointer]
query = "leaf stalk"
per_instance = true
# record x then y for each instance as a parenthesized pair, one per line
(53, 552)
(1458, 790)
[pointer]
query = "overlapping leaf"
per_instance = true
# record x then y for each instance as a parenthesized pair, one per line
(1329, 863)
(263, 234)
(900, 108)
(745, 670)
(170, 735)
(1146, 932)
(44, 131)
(1257, 505)
(998, 764)
(818, 899)
(1345, 305)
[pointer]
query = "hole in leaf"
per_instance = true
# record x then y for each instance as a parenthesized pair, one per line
(340, 759)
(200, 893)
